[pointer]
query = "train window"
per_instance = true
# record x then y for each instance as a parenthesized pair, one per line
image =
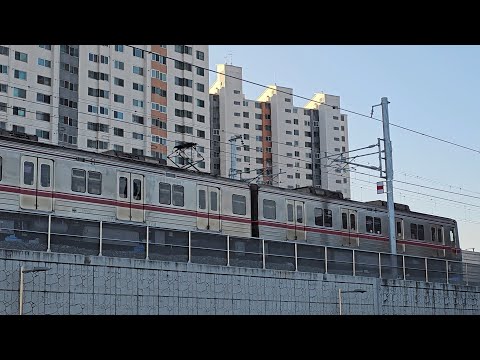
(213, 201)
(123, 187)
(165, 193)
(328, 218)
(269, 209)
(45, 175)
(318, 216)
(177, 195)
(353, 222)
(202, 199)
(434, 233)
(289, 212)
(137, 189)
(399, 229)
(344, 220)
(452, 236)
(28, 173)
(413, 231)
(94, 182)
(299, 214)
(369, 224)
(377, 225)
(440, 235)
(239, 204)
(0, 168)
(78, 180)
(421, 234)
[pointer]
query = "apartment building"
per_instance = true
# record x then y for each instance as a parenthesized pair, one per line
(140, 99)
(269, 140)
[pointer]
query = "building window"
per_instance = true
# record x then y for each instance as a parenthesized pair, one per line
(42, 134)
(200, 87)
(19, 111)
(160, 124)
(159, 91)
(138, 103)
(118, 115)
(159, 75)
(3, 107)
(269, 209)
(119, 48)
(42, 116)
(4, 50)
(200, 118)
(139, 87)
(200, 103)
(183, 49)
(200, 71)
(137, 52)
(118, 132)
(118, 81)
(44, 62)
(137, 136)
(43, 98)
(118, 98)
(21, 93)
(3, 69)
(18, 129)
(21, 56)
(137, 119)
(201, 134)
(120, 65)
(138, 70)
(200, 55)
(19, 74)
(43, 80)
(159, 108)
(159, 58)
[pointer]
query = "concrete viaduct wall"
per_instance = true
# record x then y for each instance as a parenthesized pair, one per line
(78, 284)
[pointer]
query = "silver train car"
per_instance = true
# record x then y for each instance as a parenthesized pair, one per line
(323, 217)
(127, 190)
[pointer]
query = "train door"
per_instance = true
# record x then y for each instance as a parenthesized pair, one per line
(295, 220)
(208, 208)
(36, 181)
(350, 225)
(130, 197)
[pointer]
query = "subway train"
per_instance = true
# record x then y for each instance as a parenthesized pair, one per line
(128, 190)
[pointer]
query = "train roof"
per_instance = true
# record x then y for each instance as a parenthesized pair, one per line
(337, 197)
(85, 155)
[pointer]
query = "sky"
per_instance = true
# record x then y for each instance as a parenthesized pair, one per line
(431, 89)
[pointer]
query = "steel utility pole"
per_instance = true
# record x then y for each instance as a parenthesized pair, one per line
(389, 171)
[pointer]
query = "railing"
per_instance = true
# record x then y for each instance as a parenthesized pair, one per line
(65, 235)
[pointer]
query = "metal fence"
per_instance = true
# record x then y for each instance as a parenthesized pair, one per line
(64, 235)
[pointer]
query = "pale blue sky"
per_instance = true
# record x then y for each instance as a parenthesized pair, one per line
(433, 89)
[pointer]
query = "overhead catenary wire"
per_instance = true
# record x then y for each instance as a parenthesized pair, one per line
(321, 103)
(227, 152)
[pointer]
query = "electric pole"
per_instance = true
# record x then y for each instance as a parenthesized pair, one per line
(389, 173)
